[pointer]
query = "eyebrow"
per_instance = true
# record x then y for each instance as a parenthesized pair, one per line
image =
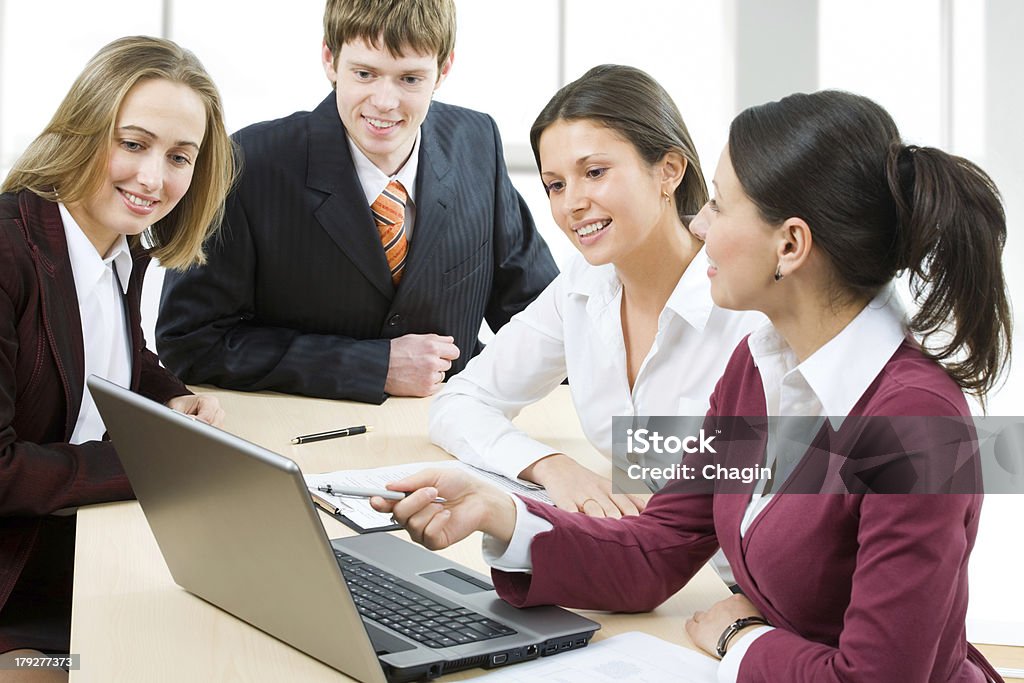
(584, 159)
(359, 66)
(153, 136)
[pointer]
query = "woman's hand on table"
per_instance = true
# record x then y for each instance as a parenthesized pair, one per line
(573, 487)
(203, 407)
(705, 628)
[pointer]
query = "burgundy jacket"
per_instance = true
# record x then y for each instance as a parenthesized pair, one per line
(42, 375)
(867, 588)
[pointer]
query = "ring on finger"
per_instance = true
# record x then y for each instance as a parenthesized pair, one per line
(587, 500)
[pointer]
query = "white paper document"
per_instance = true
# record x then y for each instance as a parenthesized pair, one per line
(358, 510)
(626, 658)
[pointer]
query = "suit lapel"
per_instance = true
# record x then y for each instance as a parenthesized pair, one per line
(61, 318)
(434, 190)
(344, 214)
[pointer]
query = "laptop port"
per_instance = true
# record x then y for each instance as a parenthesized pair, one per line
(565, 646)
(499, 659)
(580, 642)
(550, 649)
(531, 650)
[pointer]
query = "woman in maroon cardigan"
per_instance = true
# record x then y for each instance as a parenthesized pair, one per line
(818, 205)
(138, 145)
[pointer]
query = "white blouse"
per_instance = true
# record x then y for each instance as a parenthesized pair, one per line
(100, 293)
(574, 329)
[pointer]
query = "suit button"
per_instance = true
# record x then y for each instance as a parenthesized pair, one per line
(394, 320)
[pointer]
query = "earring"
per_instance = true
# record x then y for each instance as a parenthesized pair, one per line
(778, 273)
(666, 195)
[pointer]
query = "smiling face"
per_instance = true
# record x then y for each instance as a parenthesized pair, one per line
(383, 99)
(604, 196)
(742, 248)
(157, 136)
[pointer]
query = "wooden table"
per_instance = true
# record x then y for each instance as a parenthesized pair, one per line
(130, 621)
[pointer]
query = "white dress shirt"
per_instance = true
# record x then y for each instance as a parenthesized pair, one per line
(107, 344)
(574, 329)
(373, 180)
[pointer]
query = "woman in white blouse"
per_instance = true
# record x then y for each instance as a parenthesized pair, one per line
(628, 321)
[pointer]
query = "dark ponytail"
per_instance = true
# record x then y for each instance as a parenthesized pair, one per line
(952, 229)
(877, 207)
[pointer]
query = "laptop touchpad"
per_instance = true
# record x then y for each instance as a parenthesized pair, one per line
(384, 642)
(453, 579)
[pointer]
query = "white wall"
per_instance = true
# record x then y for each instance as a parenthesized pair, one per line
(997, 600)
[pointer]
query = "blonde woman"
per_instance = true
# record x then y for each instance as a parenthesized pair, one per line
(137, 146)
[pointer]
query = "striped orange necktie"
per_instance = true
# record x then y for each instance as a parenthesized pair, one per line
(389, 214)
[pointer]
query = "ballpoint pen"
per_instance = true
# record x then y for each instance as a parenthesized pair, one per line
(364, 492)
(333, 434)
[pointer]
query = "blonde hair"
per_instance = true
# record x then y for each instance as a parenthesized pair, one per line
(425, 26)
(70, 156)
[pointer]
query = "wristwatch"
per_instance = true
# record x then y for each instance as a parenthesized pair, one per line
(734, 628)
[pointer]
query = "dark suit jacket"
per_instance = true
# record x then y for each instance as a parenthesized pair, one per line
(860, 587)
(42, 374)
(297, 296)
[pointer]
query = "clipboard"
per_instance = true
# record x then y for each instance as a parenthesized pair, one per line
(356, 513)
(337, 509)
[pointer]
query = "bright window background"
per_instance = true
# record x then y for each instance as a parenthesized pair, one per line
(906, 42)
(945, 69)
(265, 59)
(43, 47)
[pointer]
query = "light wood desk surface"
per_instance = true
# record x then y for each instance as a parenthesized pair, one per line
(131, 622)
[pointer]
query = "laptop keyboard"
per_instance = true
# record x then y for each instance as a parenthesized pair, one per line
(403, 607)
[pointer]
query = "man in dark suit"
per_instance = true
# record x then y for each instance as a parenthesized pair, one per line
(367, 240)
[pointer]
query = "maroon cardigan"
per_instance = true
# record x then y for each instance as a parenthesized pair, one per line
(42, 375)
(868, 588)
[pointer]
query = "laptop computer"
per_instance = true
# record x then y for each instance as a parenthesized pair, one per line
(237, 528)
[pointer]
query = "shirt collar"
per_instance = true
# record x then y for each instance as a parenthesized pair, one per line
(373, 180)
(599, 283)
(86, 264)
(690, 299)
(856, 355)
